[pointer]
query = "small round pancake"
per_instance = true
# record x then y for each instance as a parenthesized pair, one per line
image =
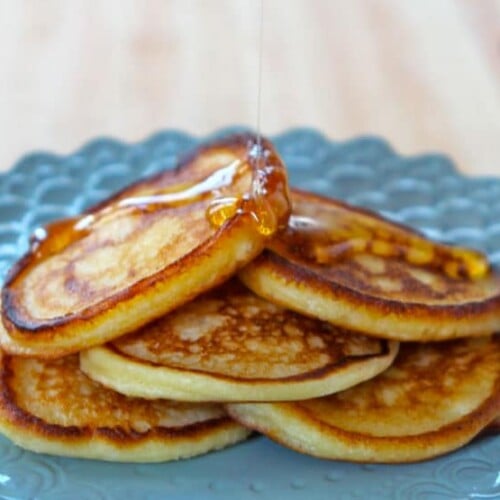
(230, 345)
(50, 406)
(435, 398)
(145, 251)
(357, 270)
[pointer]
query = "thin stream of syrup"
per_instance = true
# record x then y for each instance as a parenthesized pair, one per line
(260, 54)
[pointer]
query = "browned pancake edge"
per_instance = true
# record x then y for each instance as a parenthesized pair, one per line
(297, 427)
(117, 443)
(231, 345)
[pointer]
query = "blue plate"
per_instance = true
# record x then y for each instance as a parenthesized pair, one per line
(425, 191)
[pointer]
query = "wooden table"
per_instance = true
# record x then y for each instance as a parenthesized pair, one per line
(425, 75)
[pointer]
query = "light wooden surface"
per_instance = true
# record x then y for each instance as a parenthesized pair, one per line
(424, 74)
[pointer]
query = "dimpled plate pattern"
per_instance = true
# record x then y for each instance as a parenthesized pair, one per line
(424, 191)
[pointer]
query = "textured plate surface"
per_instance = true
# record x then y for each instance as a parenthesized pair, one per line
(425, 192)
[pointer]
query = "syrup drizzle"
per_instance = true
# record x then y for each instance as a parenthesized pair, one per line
(208, 187)
(57, 235)
(311, 239)
(267, 202)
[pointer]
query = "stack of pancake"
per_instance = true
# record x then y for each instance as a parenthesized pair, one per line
(210, 301)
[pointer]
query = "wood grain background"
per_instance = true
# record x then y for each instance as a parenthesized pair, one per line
(424, 74)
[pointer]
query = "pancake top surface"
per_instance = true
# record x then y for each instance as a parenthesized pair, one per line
(84, 274)
(427, 387)
(230, 331)
(58, 393)
(219, 205)
(433, 399)
(371, 255)
(393, 279)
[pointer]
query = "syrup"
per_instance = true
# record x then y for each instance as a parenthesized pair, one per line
(310, 239)
(55, 236)
(200, 191)
(267, 197)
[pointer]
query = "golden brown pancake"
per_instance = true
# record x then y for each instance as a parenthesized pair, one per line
(360, 271)
(146, 250)
(50, 406)
(434, 398)
(230, 345)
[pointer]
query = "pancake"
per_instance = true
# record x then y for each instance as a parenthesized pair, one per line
(230, 345)
(493, 427)
(435, 398)
(358, 270)
(145, 251)
(50, 406)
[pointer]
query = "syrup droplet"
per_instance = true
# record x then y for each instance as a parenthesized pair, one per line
(264, 216)
(222, 209)
(268, 196)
